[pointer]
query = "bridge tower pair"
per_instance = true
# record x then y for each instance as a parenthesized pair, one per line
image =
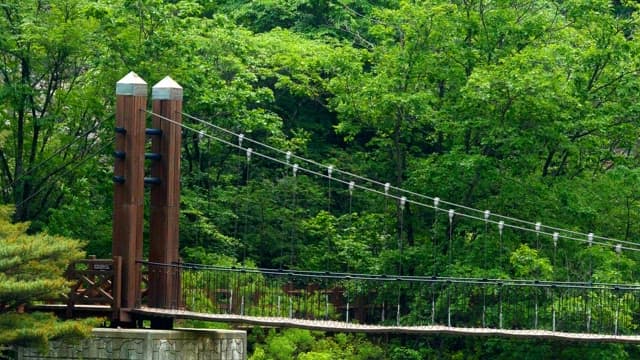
(128, 193)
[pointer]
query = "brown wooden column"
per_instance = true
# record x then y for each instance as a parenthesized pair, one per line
(164, 284)
(128, 188)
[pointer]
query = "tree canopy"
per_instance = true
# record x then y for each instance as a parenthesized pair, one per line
(528, 108)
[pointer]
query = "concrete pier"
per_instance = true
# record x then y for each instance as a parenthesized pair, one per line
(121, 344)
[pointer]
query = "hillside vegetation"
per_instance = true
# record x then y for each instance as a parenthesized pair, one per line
(528, 108)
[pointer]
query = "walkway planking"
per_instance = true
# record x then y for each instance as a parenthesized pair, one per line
(79, 310)
(337, 326)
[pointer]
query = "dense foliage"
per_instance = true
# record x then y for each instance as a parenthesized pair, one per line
(528, 108)
(31, 269)
(304, 344)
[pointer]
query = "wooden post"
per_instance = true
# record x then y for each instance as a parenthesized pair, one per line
(128, 188)
(116, 288)
(164, 290)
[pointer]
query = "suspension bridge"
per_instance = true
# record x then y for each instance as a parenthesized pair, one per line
(130, 288)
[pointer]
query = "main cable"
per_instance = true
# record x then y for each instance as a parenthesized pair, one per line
(539, 225)
(590, 240)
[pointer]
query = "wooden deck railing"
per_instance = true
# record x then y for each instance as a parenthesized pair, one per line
(95, 282)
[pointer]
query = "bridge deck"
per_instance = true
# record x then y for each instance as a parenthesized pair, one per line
(80, 309)
(337, 326)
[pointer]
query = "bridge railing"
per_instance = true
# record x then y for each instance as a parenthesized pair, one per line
(94, 282)
(408, 300)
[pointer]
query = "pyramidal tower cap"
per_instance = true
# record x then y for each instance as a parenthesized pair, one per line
(166, 89)
(132, 85)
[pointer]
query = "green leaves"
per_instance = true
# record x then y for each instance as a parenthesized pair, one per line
(528, 265)
(31, 270)
(47, 50)
(307, 345)
(36, 329)
(32, 266)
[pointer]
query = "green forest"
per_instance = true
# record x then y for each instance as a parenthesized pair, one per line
(527, 108)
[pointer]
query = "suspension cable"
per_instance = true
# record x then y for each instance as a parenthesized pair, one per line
(293, 214)
(245, 229)
(395, 278)
(606, 242)
(548, 228)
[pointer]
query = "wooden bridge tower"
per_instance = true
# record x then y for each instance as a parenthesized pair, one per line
(128, 199)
